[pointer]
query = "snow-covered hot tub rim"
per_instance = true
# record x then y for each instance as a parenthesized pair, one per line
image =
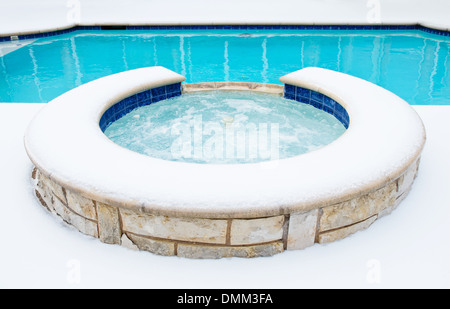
(66, 144)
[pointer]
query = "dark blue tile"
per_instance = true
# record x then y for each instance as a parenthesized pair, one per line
(121, 105)
(143, 95)
(106, 115)
(172, 94)
(102, 124)
(303, 100)
(158, 98)
(145, 102)
(133, 105)
(346, 116)
(173, 88)
(289, 96)
(316, 96)
(329, 102)
(316, 104)
(158, 91)
(339, 109)
(327, 109)
(130, 99)
(113, 117)
(289, 89)
(303, 92)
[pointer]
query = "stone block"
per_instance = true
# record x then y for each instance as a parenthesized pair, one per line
(256, 231)
(45, 196)
(406, 180)
(160, 247)
(83, 206)
(341, 233)
(108, 224)
(127, 243)
(216, 252)
(302, 230)
(57, 190)
(358, 209)
(82, 224)
(184, 229)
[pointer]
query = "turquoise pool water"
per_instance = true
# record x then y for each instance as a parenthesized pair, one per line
(225, 127)
(412, 64)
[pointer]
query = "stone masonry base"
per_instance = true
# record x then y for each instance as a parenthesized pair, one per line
(218, 238)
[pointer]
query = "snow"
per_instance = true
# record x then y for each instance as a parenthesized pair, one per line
(407, 249)
(54, 14)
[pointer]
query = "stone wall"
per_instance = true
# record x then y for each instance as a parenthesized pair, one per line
(218, 238)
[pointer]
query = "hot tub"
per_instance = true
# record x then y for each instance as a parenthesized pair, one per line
(223, 210)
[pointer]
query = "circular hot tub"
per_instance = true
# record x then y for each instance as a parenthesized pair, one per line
(215, 210)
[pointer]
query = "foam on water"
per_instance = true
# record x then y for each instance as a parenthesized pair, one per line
(258, 127)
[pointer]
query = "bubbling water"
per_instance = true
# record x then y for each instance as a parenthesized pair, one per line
(225, 127)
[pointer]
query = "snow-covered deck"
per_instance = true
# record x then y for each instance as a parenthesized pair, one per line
(407, 249)
(55, 14)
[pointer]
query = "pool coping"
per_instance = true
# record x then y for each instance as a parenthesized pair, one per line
(433, 29)
(234, 86)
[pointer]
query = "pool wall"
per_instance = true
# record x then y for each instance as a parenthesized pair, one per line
(214, 211)
(140, 99)
(50, 33)
(317, 100)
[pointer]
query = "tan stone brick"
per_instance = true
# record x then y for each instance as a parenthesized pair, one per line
(358, 209)
(108, 224)
(216, 252)
(255, 231)
(45, 196)
(406, 180)
(160, 247)
(127, 243)
(57, 190)
(83, 225)
(83, 206)
(302, 230)
(341, 233)
(184, 229)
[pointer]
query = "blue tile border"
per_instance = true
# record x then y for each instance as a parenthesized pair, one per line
(140, 99)
(229, 27)
(50, 33)
(318, 100)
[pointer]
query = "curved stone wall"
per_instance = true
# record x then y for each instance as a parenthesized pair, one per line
(218, 238)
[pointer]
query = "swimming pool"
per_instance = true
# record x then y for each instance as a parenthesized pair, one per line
(412, 64)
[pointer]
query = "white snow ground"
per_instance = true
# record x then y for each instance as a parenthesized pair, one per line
(407, 249)
(31, 15)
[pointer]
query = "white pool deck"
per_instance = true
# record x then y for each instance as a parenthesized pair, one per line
(56, 14)
(407, 249)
